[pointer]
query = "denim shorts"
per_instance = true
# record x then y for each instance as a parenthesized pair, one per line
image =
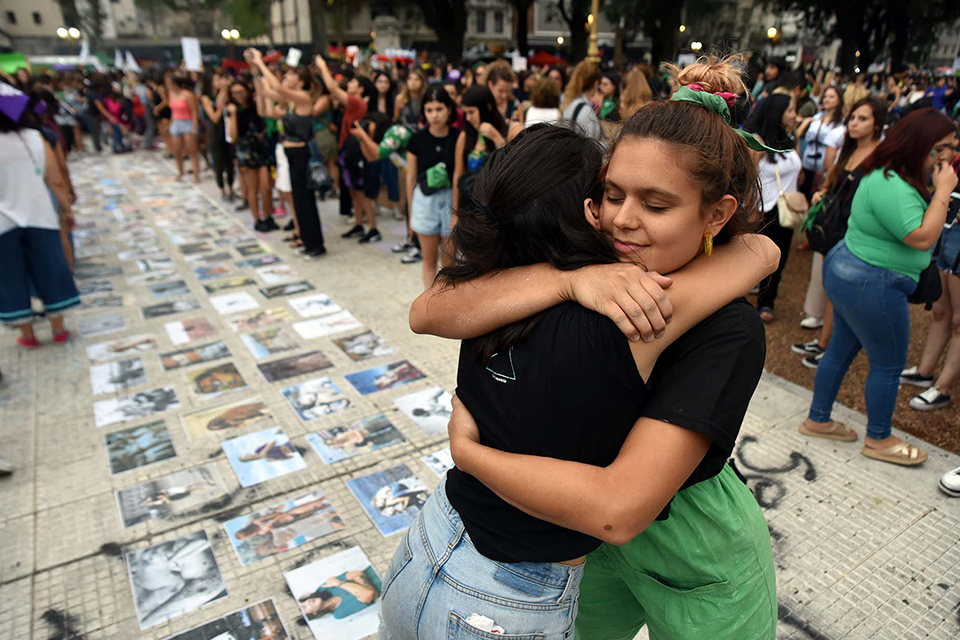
(439, 587)
(949, 248)
(431, 215)
(181, 127)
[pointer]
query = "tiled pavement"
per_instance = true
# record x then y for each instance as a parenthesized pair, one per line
(863, 550)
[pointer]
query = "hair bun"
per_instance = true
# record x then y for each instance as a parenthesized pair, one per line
(714, 74)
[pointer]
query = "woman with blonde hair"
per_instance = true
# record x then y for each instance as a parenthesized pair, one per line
(635, 92)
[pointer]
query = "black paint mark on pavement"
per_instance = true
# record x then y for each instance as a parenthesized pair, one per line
(808, 630)
(64, 625)
(111, 549)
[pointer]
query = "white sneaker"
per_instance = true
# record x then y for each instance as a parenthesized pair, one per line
(929, 400)
(950, 483)
(5, 467)
(811, 322)
(912, 376)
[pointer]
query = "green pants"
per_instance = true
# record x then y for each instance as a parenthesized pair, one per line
(705, 572)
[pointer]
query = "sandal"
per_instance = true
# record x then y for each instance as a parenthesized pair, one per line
(293, 237)
(28, 343)
(900, 453)
(296, 244)
(838, 431)
(766, 314)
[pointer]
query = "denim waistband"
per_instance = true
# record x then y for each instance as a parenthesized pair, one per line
(552, 574)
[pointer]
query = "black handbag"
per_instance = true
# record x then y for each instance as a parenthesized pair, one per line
(318, 177)
(830, 224)
(929, 288)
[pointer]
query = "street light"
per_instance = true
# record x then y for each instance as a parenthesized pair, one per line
(231, 36)
(696, 46)
(772, 32)
(72, 33)
(683, 28)
(560, 40)
(234, 34)
(590, 18)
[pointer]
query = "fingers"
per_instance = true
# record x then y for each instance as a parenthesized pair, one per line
(629, 318)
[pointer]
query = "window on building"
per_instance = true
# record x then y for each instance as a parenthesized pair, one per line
(498, 22)
(37, 18)
(481, 21)
(11, 17)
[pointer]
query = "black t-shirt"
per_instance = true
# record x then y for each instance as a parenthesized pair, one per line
(571, 391)
(583, 394)
(431, 150)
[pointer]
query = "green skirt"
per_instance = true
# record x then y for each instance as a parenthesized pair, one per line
(706, 572)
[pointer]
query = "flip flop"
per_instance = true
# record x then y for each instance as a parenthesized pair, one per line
(900, 453)
(838, 431)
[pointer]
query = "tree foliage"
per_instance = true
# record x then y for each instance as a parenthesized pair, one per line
(522, 24)
(658, 19)
(448, 19)
(250, 17)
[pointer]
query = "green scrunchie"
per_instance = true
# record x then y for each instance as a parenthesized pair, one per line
(718, 105)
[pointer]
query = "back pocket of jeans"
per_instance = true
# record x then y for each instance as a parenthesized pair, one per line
(459, 629)
(401, 558)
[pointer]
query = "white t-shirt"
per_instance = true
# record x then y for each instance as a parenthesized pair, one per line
(24, 198)
(536, 115)
(821, 135)
(789, 166)
(586, 117)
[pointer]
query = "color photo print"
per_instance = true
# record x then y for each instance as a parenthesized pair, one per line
(174, 578)
(289, 289)
(184, 331)
(140, 405)
(101, 324)
(261, 456)
(213, 382)
(392, 498)
(364, 346)
(234, 303)
(277, 274)
(347, 441)
(388, 376)
(327, 325)
(260, 261)
(106, 351)
(255, 622)
(348, 611)
(439, 461)
(316, 398)
(282, 527)
(293, 366)
(258, 319)
(225, 284)
(429, 409)
(138, 447)
(171, 496)
(169, 308)
(314, 305)
(194, 355)
(268, 342)
(234, 415)
(112, 377)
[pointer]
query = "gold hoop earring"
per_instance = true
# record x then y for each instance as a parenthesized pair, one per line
(708, 243)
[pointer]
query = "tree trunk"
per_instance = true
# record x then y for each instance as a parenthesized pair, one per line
(523, 26)
(318, 27)
(618, 45)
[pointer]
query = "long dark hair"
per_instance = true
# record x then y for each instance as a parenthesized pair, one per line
(837, 116)
(436, 93)
(391, 96)
(480, 97)
(849, 144)
(528, 208)
(767, 122)
(907, 145)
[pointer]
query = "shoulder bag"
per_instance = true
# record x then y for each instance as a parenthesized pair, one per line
(791, 207)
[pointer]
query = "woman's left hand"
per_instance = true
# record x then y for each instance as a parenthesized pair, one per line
(488, 131)
(462, 429)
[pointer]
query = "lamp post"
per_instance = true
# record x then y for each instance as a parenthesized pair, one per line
(231, 36)
(696, 46)
(593, 51)
(71, 33)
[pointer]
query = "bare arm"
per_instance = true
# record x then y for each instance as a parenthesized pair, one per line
(194, 111)
(411, 186)
(829, 158)
(232, 122)
(458, 169)
(926, 235)
(330, 82)
(613, 503)
(55, 179)
(361, 592)
(163, 100)
(625, 293)
(397, 107)
(369, 148)
(320, 106)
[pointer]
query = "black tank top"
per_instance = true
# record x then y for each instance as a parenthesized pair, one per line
(297, 128)
(571, 391)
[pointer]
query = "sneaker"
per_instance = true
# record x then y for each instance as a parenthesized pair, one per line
(243, 206)
(412, 256)
(314, 253)
(261, 226)
(225, 198)
(811, 322)
(811, 348)
(930, 399)
(912, 376)
(402, 247)
(811, 362)
(371, 236)
(5, 467)
(950, 483)
(355, 232)
(270, 224)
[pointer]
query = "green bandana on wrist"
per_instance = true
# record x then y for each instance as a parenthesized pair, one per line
(717, 104)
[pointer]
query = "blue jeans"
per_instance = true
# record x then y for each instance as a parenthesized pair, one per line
(869, 312)
(438, 580)
(117, 137)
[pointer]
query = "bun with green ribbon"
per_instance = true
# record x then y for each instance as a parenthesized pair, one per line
(718, 102)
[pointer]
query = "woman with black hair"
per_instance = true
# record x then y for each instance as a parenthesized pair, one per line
(608, 95)
(484, 131)
(823, 134)
(384, 172)
(774, 122)
(214, 94)
(341, 596)
(431, 157)
(247, 129)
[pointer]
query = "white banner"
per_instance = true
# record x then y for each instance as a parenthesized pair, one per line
(293, 56)
(191, 54)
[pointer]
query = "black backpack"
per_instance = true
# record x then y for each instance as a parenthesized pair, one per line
(830, 225)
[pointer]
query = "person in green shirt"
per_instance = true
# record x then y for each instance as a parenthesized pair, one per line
(342, 595)
(894, 224)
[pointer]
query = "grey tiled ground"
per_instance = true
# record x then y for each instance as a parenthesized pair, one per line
(864, 550)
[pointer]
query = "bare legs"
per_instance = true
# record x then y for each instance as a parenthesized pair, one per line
(190, 141)
(944, 329)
